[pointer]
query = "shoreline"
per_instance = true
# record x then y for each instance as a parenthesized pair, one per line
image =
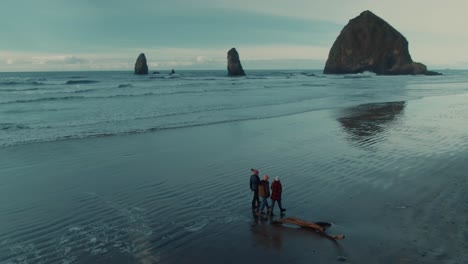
(158, 130)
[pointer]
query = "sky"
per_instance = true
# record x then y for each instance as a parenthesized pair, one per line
(56, 35)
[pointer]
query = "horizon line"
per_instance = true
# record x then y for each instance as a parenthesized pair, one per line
(194, 70)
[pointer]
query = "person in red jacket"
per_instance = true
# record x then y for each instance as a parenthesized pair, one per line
(276, 190)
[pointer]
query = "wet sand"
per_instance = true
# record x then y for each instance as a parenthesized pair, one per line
(390, 176)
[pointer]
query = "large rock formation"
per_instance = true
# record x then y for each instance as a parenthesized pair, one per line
(140, 65)
(368, 43)
(234, 66)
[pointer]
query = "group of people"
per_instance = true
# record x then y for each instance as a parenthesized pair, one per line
(261, 193)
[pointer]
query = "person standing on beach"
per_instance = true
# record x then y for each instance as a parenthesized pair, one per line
(264, 192)
(254, 181)
(276, 190)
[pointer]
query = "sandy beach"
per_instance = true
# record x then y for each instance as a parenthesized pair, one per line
(390, 176)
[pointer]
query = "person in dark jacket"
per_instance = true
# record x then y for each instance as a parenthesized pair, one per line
(276, 191)
(254, 181)
(264, 193)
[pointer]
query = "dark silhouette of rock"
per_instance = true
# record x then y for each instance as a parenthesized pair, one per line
(172, 72)
(234, 66)
(368, 43)
(432, 73)
(308, 74)
(156, 72)
(140, 65)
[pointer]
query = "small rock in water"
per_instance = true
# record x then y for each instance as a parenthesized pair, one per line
(342, 259)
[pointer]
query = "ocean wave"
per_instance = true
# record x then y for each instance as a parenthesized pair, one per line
(359, 75)
(71, 97)
(142, 120)
(313, 85)
(124, 85)
(18, 90)
(356, 77)
(43, 99)
(152, 129)
(83, 91)
(12, 83)
(173, 114)
(206, 79)
(70, 82)
(75, 97)
(217, 109)
(37, 110)
(12, 126)
(254, 78)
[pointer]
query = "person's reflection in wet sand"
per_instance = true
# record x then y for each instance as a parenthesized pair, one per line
(269, 235)
(365, 122)
(264, 233)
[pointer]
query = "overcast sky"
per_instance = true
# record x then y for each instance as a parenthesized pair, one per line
(109, 35)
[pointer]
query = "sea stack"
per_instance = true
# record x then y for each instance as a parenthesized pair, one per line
(368, 43)
(234, 66)
(141, 67)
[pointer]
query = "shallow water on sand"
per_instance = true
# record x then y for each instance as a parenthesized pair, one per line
(390, 175)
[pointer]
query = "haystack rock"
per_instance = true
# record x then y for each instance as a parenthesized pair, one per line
(140, 65)
(368, 43)
(234, 66)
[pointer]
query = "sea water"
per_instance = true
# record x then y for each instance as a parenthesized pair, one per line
(109, 167)
(49, 106)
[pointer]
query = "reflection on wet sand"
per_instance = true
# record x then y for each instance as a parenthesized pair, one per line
(364, 122)
(303, 244)
(263, 233)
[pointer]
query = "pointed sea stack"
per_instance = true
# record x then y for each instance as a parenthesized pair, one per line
(368, 43)
(234, 66)
(141, 67)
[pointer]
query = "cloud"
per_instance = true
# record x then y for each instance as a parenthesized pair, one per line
(416, 15)
(15, 61)
(74, 60)
(202, 59)
(58, 60)
(96, 35)
(86, 28)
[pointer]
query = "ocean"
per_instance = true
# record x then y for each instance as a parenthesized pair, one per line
(51, 106)
(110, 167)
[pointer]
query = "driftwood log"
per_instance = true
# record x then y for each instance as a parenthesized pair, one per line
(319, 227)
